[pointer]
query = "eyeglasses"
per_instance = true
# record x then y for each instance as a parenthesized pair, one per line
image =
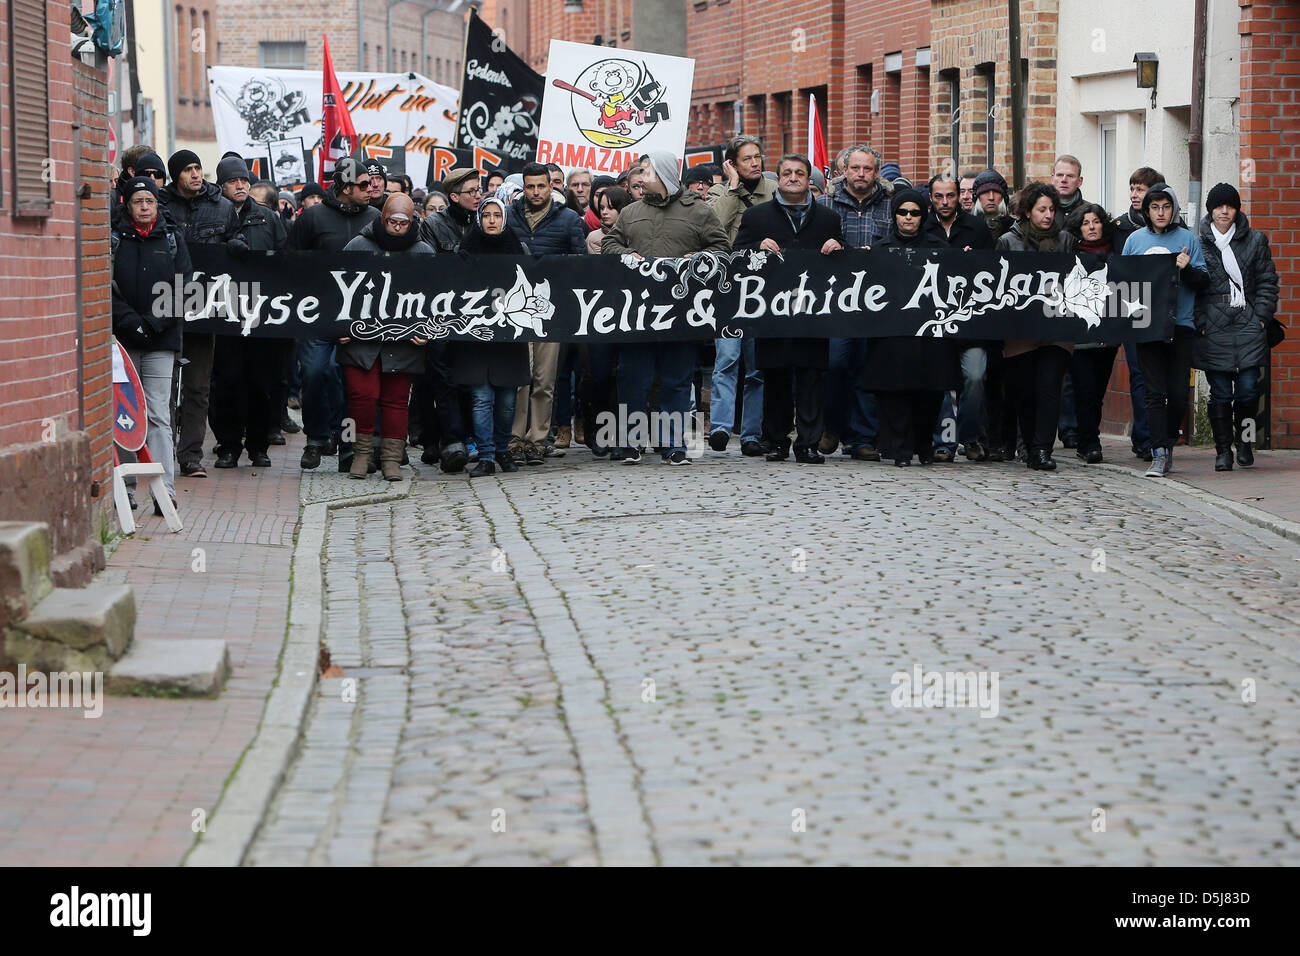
(909, 213)
(156, 174)
(470, 191)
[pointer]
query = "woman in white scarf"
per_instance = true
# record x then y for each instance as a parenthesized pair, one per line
(1231, 315)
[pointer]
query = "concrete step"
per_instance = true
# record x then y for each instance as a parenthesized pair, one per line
(177, 667)
(74, 629)
(24, 568)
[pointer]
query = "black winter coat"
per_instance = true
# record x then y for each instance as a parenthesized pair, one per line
(769, 220)
(911, 363)
(330, 225)
(138, 263)
(394, 356)
(207, 216)
(261, 229)
(1233, 339)
(1124, 225)
(967, 230)
(502, 364)
(558, 233)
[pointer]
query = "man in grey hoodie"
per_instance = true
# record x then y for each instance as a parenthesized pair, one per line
(669, 222)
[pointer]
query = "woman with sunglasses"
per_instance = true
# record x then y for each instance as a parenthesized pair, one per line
(378, 375)
(909, 374)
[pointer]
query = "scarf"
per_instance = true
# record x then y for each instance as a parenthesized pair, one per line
(798, 214)
(459, 213)
(144, 233)
(1041, 240)
(1094, 245)
(504, 243)
(1237, 290)
(591, 219)
(391, 243)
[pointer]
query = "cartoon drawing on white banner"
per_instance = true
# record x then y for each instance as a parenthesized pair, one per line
(268, 109)
(623, 95)
(613, 104)
(253, 109)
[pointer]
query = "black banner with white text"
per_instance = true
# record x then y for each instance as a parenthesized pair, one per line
(848, 294)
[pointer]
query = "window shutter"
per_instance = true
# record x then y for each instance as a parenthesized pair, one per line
(29, 106)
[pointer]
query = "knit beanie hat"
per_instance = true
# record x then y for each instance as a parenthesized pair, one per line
(1223, 194)
(232, 167)
(179, 160)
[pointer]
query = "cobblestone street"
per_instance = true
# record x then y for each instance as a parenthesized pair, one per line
(594, 663)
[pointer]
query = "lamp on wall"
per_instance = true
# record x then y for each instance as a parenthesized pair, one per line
(1148, 65)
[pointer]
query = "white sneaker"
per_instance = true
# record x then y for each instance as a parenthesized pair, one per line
(1159, 466)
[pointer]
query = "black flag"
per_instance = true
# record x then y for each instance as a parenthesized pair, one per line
(500, 99)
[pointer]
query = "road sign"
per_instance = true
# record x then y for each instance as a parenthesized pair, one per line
(130, 418)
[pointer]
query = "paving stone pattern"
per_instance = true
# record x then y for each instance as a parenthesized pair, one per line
(503, 634)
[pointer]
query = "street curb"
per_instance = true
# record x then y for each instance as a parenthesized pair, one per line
(1256, 516)
(235, 820)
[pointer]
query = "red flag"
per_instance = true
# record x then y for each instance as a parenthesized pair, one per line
(338, 135)
(816, 142)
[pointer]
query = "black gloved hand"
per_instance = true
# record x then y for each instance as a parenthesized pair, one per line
(237, 247)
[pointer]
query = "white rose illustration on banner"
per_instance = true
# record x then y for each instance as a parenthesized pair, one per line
(1085, 294)
(526, 307)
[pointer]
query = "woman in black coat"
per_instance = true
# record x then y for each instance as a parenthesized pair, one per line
(1034, 369)
(793, 369)
(1230, 317)
(909, 374)
(1091, 363)
(492, 371)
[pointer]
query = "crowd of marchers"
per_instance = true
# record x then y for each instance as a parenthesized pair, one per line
(497, 405)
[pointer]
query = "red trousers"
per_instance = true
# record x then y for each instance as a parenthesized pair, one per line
(388, 393)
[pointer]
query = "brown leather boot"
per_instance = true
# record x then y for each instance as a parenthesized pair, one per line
(563, 436)
(363, 446)
(390, 457)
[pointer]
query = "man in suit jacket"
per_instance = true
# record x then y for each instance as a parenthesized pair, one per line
(793, 368)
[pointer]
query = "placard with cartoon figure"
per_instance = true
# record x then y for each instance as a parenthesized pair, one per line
(604, 107)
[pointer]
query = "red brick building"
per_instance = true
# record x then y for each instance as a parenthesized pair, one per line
(970, 126)
(867, 64)
(55, 313)
(1270, 163)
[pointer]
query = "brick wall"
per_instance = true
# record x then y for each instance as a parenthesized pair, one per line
(242, 25)
(195, 40)
(969, 40)
(52, 444)
(1270, 155)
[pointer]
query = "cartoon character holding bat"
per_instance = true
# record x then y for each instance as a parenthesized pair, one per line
(623, 94)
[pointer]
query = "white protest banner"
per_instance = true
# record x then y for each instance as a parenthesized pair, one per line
(605, 107)
(255, 107)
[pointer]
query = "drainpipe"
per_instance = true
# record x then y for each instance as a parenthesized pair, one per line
(1017, 96)
(1195, 138)
(169, 73)
(361, 63)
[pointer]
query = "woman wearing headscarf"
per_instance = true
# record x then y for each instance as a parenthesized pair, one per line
(909, 374)
(1231, 315)
(1035, 369)
(378, 375)
(491, 371)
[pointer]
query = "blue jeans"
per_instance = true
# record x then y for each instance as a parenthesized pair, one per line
(969, 415)
(156, 370)
(850, 411)
(562, 414)
(673, 363)
(726, 371)
(1241, 386)
(494, 416)
(1141, 435)
(322, 390)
